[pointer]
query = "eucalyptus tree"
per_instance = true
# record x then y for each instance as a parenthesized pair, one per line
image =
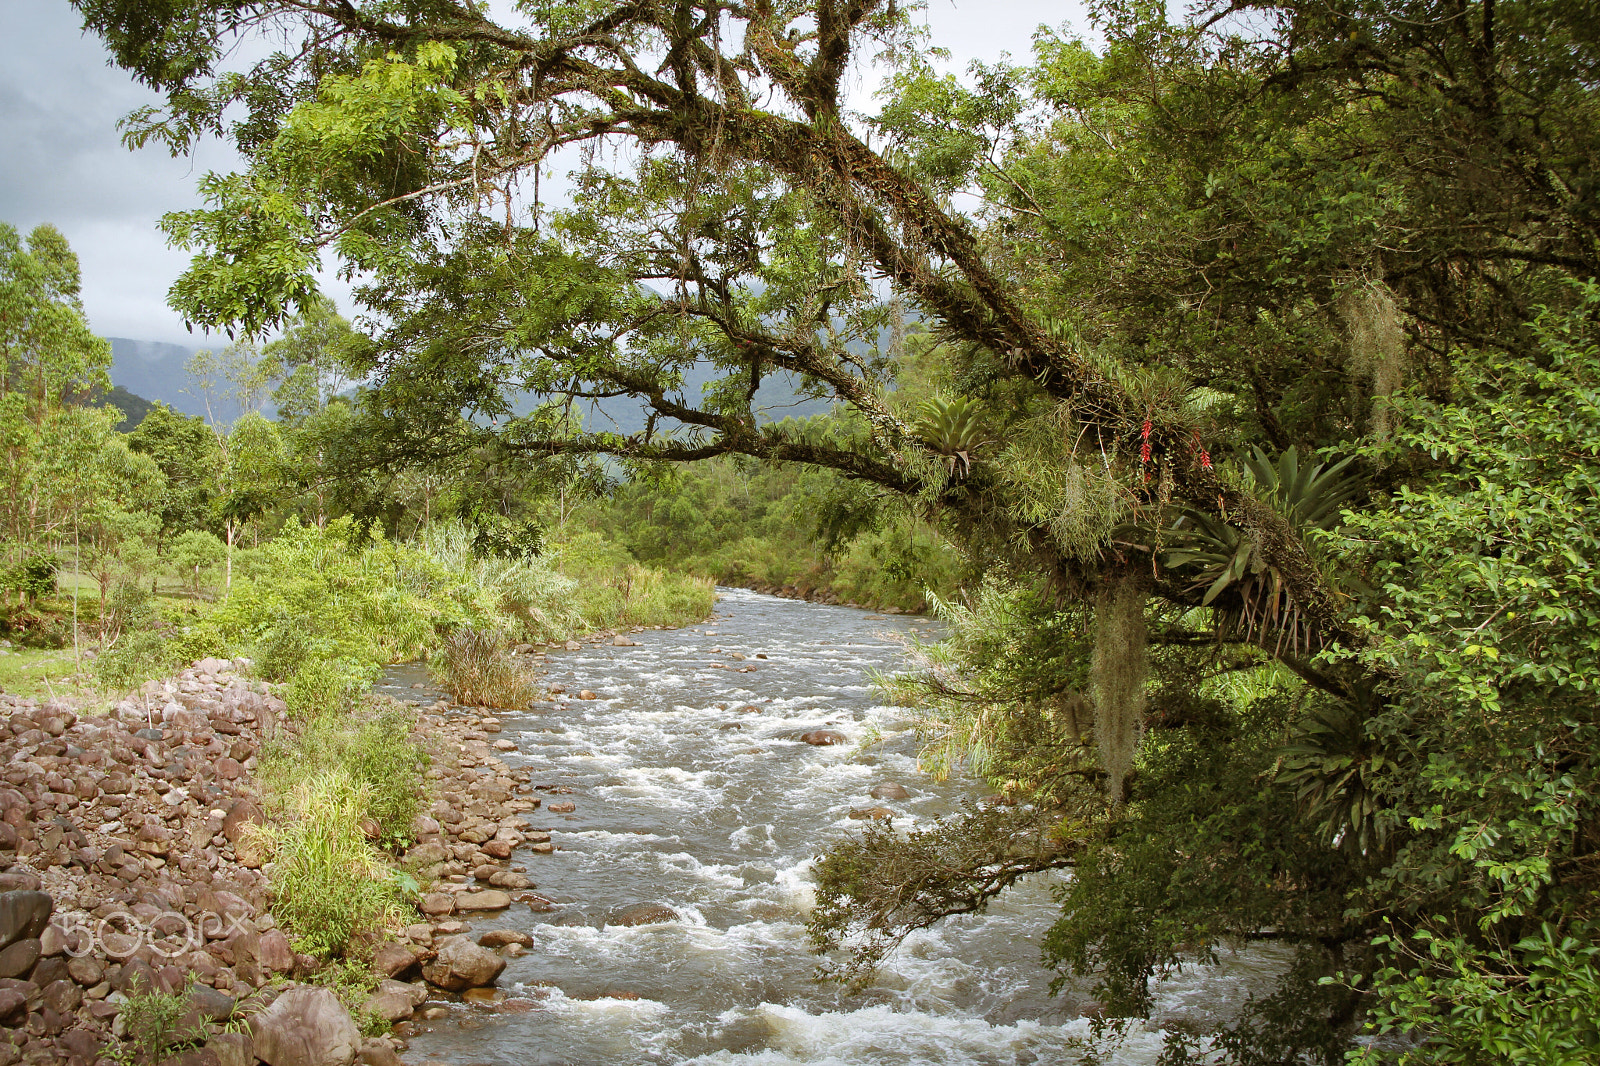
(1217, 246)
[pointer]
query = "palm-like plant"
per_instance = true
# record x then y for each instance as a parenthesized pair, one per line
(951, 428)
(1332, 764)
(1223, 558)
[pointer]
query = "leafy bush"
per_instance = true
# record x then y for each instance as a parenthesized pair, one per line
(477, 670)
(140, 654)
(322, 687)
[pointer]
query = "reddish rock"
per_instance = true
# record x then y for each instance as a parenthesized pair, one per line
(437, 903)
(305, 1026)
(392, 960)
(273, 952)
(643, 914)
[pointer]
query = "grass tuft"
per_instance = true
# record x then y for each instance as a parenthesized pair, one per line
(476, 669)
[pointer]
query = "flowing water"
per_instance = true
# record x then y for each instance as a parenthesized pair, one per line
(686, 797)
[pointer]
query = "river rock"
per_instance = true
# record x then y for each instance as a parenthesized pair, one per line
(487, 900)
(877, 814)
(393, 959)
(563, 807)
(434, 904)
(621, 641)
(585, 694)
(23, 914)
(890, 791)
(273, 953)
(305, 1026)
(232, 1049)
(643, 914)
(18, 958)
(823, 737)
(459, 964)
(390, 1006)
(377, 1052)
(499, 938)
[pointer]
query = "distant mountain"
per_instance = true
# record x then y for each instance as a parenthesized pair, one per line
(133, 408)
(154, 370)
(775, 400)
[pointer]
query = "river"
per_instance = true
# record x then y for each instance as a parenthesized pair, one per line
(686, 798)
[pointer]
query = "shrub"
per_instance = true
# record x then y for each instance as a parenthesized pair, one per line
(324, 687)
(329, 886)
(138, 655)
(476, 670)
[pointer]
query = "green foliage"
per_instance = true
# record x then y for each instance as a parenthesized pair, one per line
(953, 428)
(1487, 624)
(150, 1021)
(780, 527)
(476, 669)
(328, 885)
(323, 687)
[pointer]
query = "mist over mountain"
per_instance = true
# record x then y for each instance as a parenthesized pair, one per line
(154, 371)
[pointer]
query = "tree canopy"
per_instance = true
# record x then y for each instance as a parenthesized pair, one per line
(1260, 412)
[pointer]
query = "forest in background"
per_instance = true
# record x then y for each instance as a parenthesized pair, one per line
(1251, 440)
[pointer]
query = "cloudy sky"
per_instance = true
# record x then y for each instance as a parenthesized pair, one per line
(62, 160)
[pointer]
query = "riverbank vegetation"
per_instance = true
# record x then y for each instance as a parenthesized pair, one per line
(1250, 446)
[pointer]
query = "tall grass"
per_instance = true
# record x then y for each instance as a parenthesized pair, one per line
(329, 886)
(322, 594)
(476, 669)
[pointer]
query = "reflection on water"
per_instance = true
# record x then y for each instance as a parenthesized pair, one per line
(693, 790)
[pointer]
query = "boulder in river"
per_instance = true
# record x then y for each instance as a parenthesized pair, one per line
(459, 964)
(877, 814)
(890, 791)
(821, 738)
(488, 900)
(643, 914)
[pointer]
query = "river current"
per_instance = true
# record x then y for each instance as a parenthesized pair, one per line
(686, 797)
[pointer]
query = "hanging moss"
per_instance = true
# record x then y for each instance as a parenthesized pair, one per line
(1377, 345)
(1116, 676)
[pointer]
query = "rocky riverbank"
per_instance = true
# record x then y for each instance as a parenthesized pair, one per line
(130, 884)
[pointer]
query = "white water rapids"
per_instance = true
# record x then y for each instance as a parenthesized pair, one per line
(686, 800)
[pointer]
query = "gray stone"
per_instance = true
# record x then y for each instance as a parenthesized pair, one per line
(890, 791)
(305, 1027)
(823, 737)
